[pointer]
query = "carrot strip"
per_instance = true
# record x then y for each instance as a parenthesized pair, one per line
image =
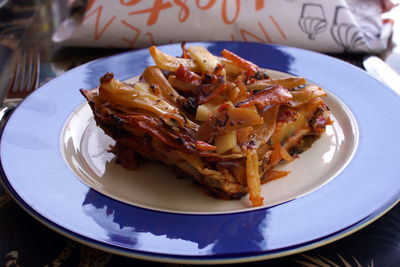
(248, 66)
(200, 145)
(253, 178)
(273, 175)
(273, 95)
(205, 99)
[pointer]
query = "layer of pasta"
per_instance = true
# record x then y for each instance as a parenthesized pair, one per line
(220, 119)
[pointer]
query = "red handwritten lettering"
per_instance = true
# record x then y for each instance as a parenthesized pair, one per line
(264, 32)
(259, 4)
(154, 11)
(150, 35)
(224, 12)
(277, 26)
(246, 33)
(133, 28)
(90, 4)
(129, 3)
(97, 34)
(184, 12)
(207, 6)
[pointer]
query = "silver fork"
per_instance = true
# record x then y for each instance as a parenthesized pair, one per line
(24, 80)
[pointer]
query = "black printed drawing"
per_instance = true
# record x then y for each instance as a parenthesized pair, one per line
(312, 20)
(368, 20)
(345, 32)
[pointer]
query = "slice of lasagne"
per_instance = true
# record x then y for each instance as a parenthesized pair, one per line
(220, 119)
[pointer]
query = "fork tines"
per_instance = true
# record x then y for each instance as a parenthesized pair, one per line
(25, 76)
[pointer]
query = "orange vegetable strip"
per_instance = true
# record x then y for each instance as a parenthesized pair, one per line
(200, 145)
(185, 75)
(273, 175)
(248, 66)
(216, 92)
(253, 178)
(290, 83)
(273, 95)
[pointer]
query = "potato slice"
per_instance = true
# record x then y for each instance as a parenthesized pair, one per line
(306, 94)
(170, 63)
(139, 96)
(204, 110)
(143, 88)
(154, 76)
(207, 61)
(225, 142)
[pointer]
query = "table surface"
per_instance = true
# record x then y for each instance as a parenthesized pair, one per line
(21, 236)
